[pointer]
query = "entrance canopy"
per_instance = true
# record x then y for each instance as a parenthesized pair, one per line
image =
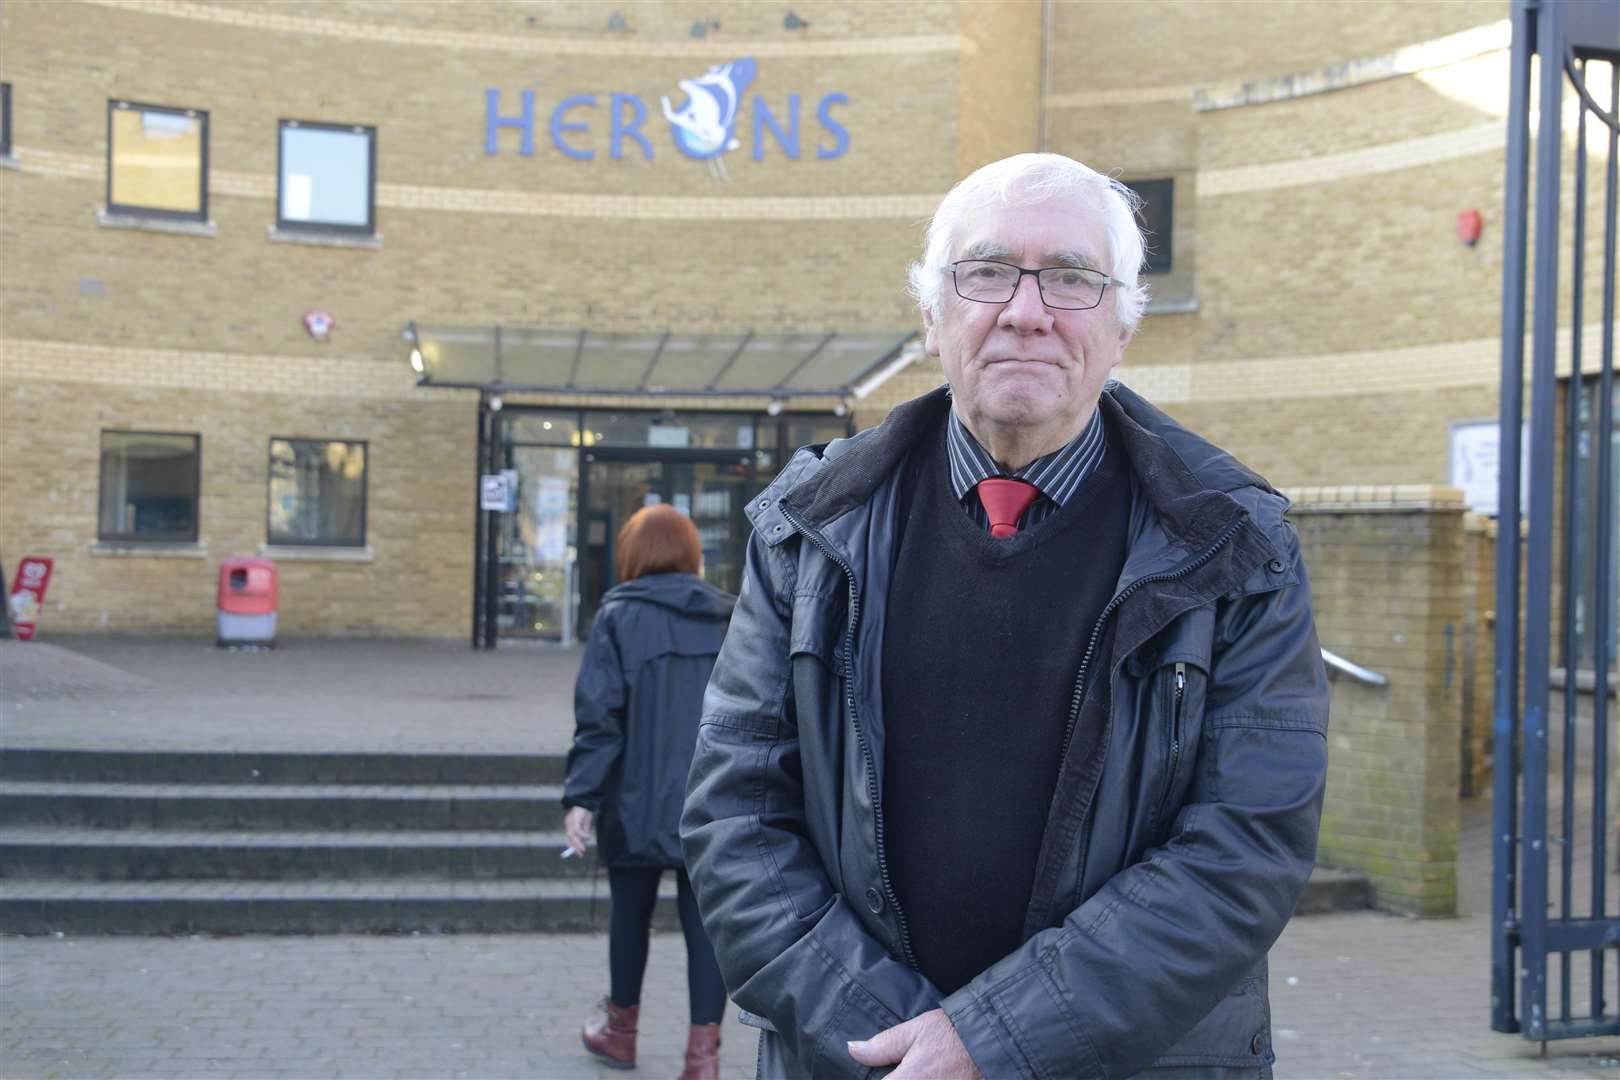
(779, 366)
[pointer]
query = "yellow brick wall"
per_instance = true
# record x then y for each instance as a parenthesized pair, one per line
(1386, 438)
(1388, 588)
(1340, 326)
(117, 328)
(999, 106)
(1103, 47)
(419, 507)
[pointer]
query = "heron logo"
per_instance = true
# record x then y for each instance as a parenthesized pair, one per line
(703, 126)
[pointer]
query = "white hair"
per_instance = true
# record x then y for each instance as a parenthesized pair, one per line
(1031, 179)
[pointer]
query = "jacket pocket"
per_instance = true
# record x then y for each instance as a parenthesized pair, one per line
(775, 1060)
(772, 1061)
(1236, 1034)
(1180, 690)
(754, 1020)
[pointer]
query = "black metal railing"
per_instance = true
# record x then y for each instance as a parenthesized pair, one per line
(1542, 924)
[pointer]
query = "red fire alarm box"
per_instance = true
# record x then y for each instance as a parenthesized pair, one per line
(1469, 225)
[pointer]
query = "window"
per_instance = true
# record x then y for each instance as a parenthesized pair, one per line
(317, 492)
(705, 431)
(157, 161)
(531, 426)
(149, 486)
(5, 119)
(328, 178)
(1157, 220)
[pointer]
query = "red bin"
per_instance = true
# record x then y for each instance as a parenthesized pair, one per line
(247, 601)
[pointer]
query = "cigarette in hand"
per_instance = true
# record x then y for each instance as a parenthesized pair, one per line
(569, 853)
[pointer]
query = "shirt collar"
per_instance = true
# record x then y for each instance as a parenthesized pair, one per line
(1056, 475)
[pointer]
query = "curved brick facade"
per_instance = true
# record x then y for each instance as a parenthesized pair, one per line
(1321, 318)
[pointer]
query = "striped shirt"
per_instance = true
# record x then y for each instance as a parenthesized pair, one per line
(1056, 475)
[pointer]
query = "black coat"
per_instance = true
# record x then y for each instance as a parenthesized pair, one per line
(637, 701)
(1181, 832)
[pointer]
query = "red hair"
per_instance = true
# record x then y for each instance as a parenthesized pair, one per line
(658, 540)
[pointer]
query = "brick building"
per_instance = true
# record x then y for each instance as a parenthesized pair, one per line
(268, 268)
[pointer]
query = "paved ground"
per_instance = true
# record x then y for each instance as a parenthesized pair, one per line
(457, 1006)
(1355, 996)
(339, 695)
(1369, 995)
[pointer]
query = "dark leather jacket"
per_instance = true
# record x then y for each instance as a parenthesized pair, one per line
(637, 700)
(1183, 826)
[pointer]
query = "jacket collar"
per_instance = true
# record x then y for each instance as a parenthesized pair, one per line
(854, 468)
(1185, 479)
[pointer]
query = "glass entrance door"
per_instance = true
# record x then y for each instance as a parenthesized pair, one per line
(535, 544)
(712, 491)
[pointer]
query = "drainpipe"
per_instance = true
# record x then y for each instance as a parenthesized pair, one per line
(1046, 72)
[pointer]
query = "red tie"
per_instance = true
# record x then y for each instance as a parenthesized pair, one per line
(1004, 503)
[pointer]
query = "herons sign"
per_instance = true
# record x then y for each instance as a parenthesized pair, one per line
(703, 126)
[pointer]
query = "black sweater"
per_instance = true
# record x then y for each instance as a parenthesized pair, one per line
(982, 642)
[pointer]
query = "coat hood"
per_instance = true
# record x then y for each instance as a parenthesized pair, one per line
(685, 593)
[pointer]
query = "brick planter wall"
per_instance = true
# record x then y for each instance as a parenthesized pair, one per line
(1387, 571)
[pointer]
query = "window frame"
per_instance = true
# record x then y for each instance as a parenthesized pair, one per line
(105, 537)
(321, 227)
(5, 119)
(116, 105)
(270, 538)
(1161, 262)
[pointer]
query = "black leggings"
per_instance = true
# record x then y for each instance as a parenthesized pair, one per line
(635, 893)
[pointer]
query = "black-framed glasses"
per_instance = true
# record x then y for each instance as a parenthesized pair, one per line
(1067, 288)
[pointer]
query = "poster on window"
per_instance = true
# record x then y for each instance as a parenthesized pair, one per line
(495, 492)
(668, 435)
(27, 597)
(551, 518)
(1475, 465)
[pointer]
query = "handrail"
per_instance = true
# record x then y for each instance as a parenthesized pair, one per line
(1339, 665)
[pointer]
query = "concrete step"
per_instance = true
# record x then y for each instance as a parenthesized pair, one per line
(523, 905)
(363, 807)
(1330, 889)
(85, 854)
(155, 843)
(338, 907)
(211, 767)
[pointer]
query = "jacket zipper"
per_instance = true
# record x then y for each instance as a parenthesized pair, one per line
(1096, 632)
(827, 550)
(1175, 739)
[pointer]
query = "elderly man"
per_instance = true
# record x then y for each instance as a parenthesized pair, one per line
(1012, 761)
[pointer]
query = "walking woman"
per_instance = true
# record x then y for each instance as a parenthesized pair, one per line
(636, 707)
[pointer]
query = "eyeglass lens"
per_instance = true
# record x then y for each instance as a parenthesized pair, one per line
(1061, 286)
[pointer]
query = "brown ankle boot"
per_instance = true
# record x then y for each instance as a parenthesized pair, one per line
(611, 1035)
(702, 1053)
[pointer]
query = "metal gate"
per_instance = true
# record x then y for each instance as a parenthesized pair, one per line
(1551, 911)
